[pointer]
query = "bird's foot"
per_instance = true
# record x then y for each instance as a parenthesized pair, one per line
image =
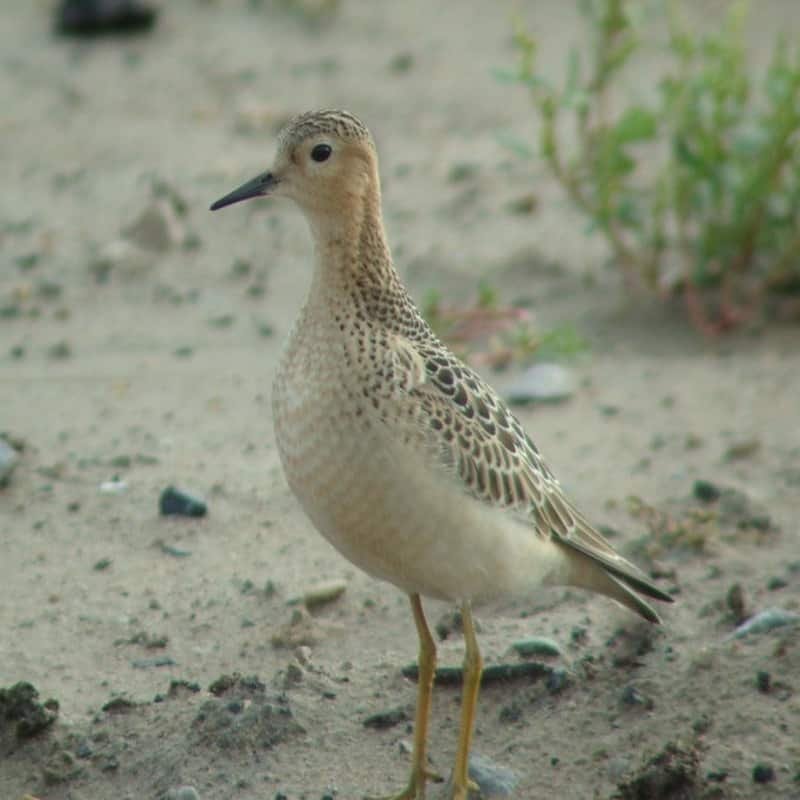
(415, 790)
(464, 792)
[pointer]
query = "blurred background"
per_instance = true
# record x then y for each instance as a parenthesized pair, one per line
(139, 334)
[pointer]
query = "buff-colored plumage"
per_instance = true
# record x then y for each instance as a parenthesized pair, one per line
(402, 456)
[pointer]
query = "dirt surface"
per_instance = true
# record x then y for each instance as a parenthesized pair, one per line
(125, 368)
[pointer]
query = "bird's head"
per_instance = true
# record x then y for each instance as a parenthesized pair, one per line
(326, 162)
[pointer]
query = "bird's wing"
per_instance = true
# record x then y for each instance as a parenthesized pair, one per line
(447, 410)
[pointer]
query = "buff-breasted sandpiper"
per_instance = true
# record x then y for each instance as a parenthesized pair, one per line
(405, 459)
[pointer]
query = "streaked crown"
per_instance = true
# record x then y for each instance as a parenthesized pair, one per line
(339, 123)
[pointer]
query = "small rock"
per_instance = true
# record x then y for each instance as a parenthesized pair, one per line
(171, 550)
(541, 383)
(536, 646)
(157, 228)
(493, 780)
(323, 593)
(155, 661)
(743, 449)
(706, 491)
(9, 458)
(176, 502)
(106, 17)
(114, 486)
(386, 719)
(765, 621)
(763, 773)
(183, 793)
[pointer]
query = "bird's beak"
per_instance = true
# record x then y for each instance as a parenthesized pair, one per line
(259, 186)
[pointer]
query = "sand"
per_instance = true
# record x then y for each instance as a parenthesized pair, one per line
(125, 368)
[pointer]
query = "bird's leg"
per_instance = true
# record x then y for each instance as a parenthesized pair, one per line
(427, 666)
(473, 667)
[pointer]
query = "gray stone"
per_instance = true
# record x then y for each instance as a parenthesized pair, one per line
(764, 622)
(9, 458)
(541, 383)
(536, 646)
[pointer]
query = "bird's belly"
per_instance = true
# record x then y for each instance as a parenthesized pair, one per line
(392, 514)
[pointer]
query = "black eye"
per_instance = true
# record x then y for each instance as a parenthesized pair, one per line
(321, 152)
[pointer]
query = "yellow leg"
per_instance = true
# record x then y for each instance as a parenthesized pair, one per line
(473, 667)
(427, 666)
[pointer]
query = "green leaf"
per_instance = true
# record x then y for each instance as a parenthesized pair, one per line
(637, 124)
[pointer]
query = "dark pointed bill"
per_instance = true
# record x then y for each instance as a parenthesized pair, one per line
(257, 187)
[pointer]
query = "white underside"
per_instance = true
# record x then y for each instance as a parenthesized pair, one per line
(405, 521)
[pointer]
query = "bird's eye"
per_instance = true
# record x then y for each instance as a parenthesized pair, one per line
(321, 152)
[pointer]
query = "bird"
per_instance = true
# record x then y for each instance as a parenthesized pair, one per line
(403, 457)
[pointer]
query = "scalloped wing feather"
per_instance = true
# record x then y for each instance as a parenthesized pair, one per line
(447, 409)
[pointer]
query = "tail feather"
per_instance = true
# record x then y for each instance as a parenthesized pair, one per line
(617, 579)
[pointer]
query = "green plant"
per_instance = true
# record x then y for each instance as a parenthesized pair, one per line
(496, 335)
(698, 191)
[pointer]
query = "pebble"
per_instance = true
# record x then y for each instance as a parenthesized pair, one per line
(493, 780)
(176, 502)
(9, 458)
(155, 661)
(541, 383)
(382, 720)
(536, 646)
(706, 491)
(114, 486)
(763, 773)
(764, 622)
(322, 593)
(183, 793)
(157, 228)
(744, 449)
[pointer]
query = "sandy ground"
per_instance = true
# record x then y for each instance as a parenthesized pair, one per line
(154, 367)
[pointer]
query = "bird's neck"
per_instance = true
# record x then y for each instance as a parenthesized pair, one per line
(352, 253)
